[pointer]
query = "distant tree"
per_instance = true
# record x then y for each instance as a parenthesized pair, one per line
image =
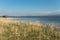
(4, 16)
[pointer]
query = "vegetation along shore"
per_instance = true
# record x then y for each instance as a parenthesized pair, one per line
(20, 30)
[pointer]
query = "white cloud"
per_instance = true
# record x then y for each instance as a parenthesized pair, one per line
(42, 13)
(29, 13)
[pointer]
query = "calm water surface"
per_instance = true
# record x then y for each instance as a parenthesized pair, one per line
(50, 19)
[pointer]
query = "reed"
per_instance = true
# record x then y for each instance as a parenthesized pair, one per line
(18, 30)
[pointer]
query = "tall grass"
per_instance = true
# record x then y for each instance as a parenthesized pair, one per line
(28, 31)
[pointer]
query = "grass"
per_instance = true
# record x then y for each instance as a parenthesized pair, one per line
(18, 30)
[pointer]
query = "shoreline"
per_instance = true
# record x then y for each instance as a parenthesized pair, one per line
(32, 22)
(13, 19)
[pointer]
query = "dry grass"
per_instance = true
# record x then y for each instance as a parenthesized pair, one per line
(16, 30)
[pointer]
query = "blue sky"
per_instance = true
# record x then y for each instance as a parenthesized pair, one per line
(29, 7)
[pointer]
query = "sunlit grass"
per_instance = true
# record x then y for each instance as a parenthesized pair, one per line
(18, 30)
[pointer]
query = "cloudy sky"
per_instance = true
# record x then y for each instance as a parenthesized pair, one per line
(29, 7)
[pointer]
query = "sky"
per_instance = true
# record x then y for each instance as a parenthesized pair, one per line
(29, 7)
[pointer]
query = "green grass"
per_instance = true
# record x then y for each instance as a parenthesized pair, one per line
(27, 31)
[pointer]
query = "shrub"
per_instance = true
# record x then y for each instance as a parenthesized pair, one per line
(27, 31)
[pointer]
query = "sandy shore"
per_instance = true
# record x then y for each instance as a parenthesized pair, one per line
(12, 20)
(9, 20)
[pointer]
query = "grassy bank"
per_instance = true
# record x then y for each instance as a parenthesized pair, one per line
(19, 30)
